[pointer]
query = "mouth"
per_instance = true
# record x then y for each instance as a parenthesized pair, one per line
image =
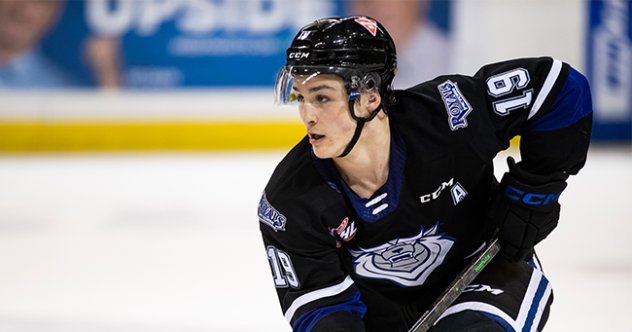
(314, 138)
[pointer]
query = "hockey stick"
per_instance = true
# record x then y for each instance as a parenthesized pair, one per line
(456, 287)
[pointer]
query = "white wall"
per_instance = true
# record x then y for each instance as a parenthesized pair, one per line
(493, 30)
(139, 105)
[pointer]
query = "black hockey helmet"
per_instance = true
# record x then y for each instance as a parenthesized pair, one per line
(350, 47)
(356, 48)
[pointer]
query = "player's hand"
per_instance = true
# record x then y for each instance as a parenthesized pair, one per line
(525, 209)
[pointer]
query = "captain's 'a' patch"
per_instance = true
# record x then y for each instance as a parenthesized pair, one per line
(455, 103)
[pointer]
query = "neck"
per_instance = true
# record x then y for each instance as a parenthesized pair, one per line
(366, 167)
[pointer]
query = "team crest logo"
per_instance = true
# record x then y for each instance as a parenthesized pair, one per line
(408, 261)
(270, 216)
(455, 103)
(370, 25)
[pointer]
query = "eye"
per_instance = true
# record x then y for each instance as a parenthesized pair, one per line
(300, 98)
(322, 99)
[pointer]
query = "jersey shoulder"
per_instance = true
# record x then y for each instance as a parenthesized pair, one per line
(487, 109)
(440, 116)
(296, 191)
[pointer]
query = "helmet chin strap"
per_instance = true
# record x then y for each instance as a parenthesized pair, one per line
(360, 124)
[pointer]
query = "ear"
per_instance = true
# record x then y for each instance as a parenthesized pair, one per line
(373, 101)
(366, 103)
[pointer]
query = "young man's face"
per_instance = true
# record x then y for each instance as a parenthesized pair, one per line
(23, 22)
(324, 109)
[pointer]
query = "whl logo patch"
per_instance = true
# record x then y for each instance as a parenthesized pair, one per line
(346, 231)
(370, 25)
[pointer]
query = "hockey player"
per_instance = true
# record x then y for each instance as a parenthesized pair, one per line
(390, 194)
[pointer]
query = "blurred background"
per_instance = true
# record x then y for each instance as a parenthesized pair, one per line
(136, 137)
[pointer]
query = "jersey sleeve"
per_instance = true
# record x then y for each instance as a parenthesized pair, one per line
(548, 104)
(314, 291)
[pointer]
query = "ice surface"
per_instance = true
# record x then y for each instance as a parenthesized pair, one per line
(168, 242)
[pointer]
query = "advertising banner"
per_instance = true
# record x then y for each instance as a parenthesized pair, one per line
(610, 68)
(171, 43)
(194, 43)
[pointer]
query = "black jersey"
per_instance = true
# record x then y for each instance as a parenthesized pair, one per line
(331, 251)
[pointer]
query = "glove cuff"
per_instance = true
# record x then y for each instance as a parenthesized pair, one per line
(533, 179)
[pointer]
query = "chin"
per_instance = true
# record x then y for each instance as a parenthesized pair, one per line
(319, 153)
(324, 153)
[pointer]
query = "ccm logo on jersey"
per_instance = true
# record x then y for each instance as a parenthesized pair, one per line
(270, 216)
(458, 192)
(299, 55)
(482, 288)
(345, 231)
(530, 198)
(455, 103)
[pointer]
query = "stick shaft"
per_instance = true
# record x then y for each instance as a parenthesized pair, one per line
(456, 287)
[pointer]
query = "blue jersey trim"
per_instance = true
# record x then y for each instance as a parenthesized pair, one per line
(532, 264)
(307, 321)
(537, 298)
(531, 315)
(391, 188)
(499, 320)
(573, 103)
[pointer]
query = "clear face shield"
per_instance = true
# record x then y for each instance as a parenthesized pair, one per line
(283, 91)
(284, 86)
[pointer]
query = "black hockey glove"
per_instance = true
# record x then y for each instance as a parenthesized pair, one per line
(525, 209)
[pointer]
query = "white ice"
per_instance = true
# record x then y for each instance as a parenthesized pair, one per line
(168, 242)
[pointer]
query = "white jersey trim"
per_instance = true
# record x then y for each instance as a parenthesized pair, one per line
(554, 73)
(520, 322)
(317, 294)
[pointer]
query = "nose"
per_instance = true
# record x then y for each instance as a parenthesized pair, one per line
(308, 114)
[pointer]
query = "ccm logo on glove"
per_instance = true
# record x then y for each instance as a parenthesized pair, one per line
(530, 198)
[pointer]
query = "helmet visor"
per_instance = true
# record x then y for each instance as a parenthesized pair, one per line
(284, 86)
(283, 92)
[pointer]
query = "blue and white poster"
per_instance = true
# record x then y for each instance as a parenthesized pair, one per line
(195, 43)
(168, 43)
(610, 68)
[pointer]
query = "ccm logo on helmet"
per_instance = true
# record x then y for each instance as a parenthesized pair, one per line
(529, 198)
(299, 55)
